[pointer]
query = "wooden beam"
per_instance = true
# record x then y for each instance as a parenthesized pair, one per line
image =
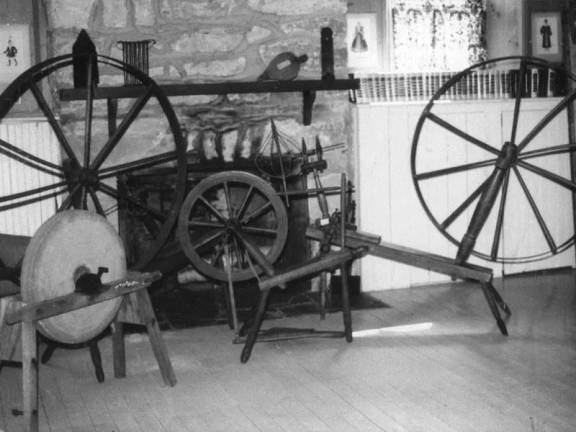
(233, 87)
(69, 302)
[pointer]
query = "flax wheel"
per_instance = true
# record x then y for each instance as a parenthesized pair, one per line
(232, 218)
(486, 180)
(68, 241)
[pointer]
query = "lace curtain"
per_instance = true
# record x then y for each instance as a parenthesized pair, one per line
(437, 35)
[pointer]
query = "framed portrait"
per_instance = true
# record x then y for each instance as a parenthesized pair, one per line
(362, 41)
(546, 36)
(14, 51)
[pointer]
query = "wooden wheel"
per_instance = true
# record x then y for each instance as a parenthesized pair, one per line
(232, 217)
(480, 181)
(84, 160)
(68, 244)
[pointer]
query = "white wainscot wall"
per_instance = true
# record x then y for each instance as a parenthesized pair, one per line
(388, 204)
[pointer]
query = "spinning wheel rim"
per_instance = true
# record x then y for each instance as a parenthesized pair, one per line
(224, 233)
(521, 143)
(91, 174)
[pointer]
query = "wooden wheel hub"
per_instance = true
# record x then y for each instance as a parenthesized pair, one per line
(67, 245)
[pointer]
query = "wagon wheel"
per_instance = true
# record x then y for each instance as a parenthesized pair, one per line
(236, 212)
(483, 178)
(84, 163)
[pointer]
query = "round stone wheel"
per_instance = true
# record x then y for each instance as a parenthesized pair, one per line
(65, 246)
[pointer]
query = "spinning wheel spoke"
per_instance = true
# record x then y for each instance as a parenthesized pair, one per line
(455, 169)
(30, 192)
(205, 224)
(22, 203)
(122, 128)
(560, 107)
(206, 239)
(257, 213)
(260, 231)
(548, 175)
(30, 160)
(129, 167)
(88, 115)
(461, 133)
(43, 104)
(500, 219)
(244, 205)
(229, 208)
(536, 211)
(96, 201)
(465, 204)
(68, 201)
(213, 209)
(132, 200)
(549, 151)
(518, 100)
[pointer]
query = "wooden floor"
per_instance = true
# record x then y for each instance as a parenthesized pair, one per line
(438, 363)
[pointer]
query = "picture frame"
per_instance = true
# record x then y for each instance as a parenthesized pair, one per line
(362, 41)
(546, 36)
(15, 51)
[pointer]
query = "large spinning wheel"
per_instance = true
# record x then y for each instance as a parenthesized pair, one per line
(232, 226)
(484, 178)
(90, 157)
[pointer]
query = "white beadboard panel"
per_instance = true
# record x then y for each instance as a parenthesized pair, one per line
(388, 204)
(36, 137)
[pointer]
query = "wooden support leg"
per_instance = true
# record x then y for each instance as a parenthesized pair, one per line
(346, 311)
(96, 358)
(9, 334)
(491, 298)
(30, 375)
(323, 293)
(255, 327)
(118, 349)
(158, 346)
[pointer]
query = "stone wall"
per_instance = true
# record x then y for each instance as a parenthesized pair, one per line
(215, 41)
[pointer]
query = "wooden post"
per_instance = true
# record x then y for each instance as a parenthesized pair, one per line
(30, 375)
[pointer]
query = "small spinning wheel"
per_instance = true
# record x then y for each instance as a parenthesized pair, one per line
(231, 224)
(90, 156)
(515, 179)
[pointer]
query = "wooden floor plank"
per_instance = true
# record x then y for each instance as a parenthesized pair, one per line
(453, 372)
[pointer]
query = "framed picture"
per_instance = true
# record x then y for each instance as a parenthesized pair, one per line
(14, 51)
(546, 35)
(362, 41)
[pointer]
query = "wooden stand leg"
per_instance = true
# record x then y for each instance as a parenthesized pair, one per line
(489, 291)
(255, 327)
(96, 358)
(158, 346)
(118, 349)
(346, 311)
(30, 375)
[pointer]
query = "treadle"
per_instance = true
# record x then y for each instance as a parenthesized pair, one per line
(289, 333)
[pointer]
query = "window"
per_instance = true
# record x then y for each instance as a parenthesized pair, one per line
(433, 35)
